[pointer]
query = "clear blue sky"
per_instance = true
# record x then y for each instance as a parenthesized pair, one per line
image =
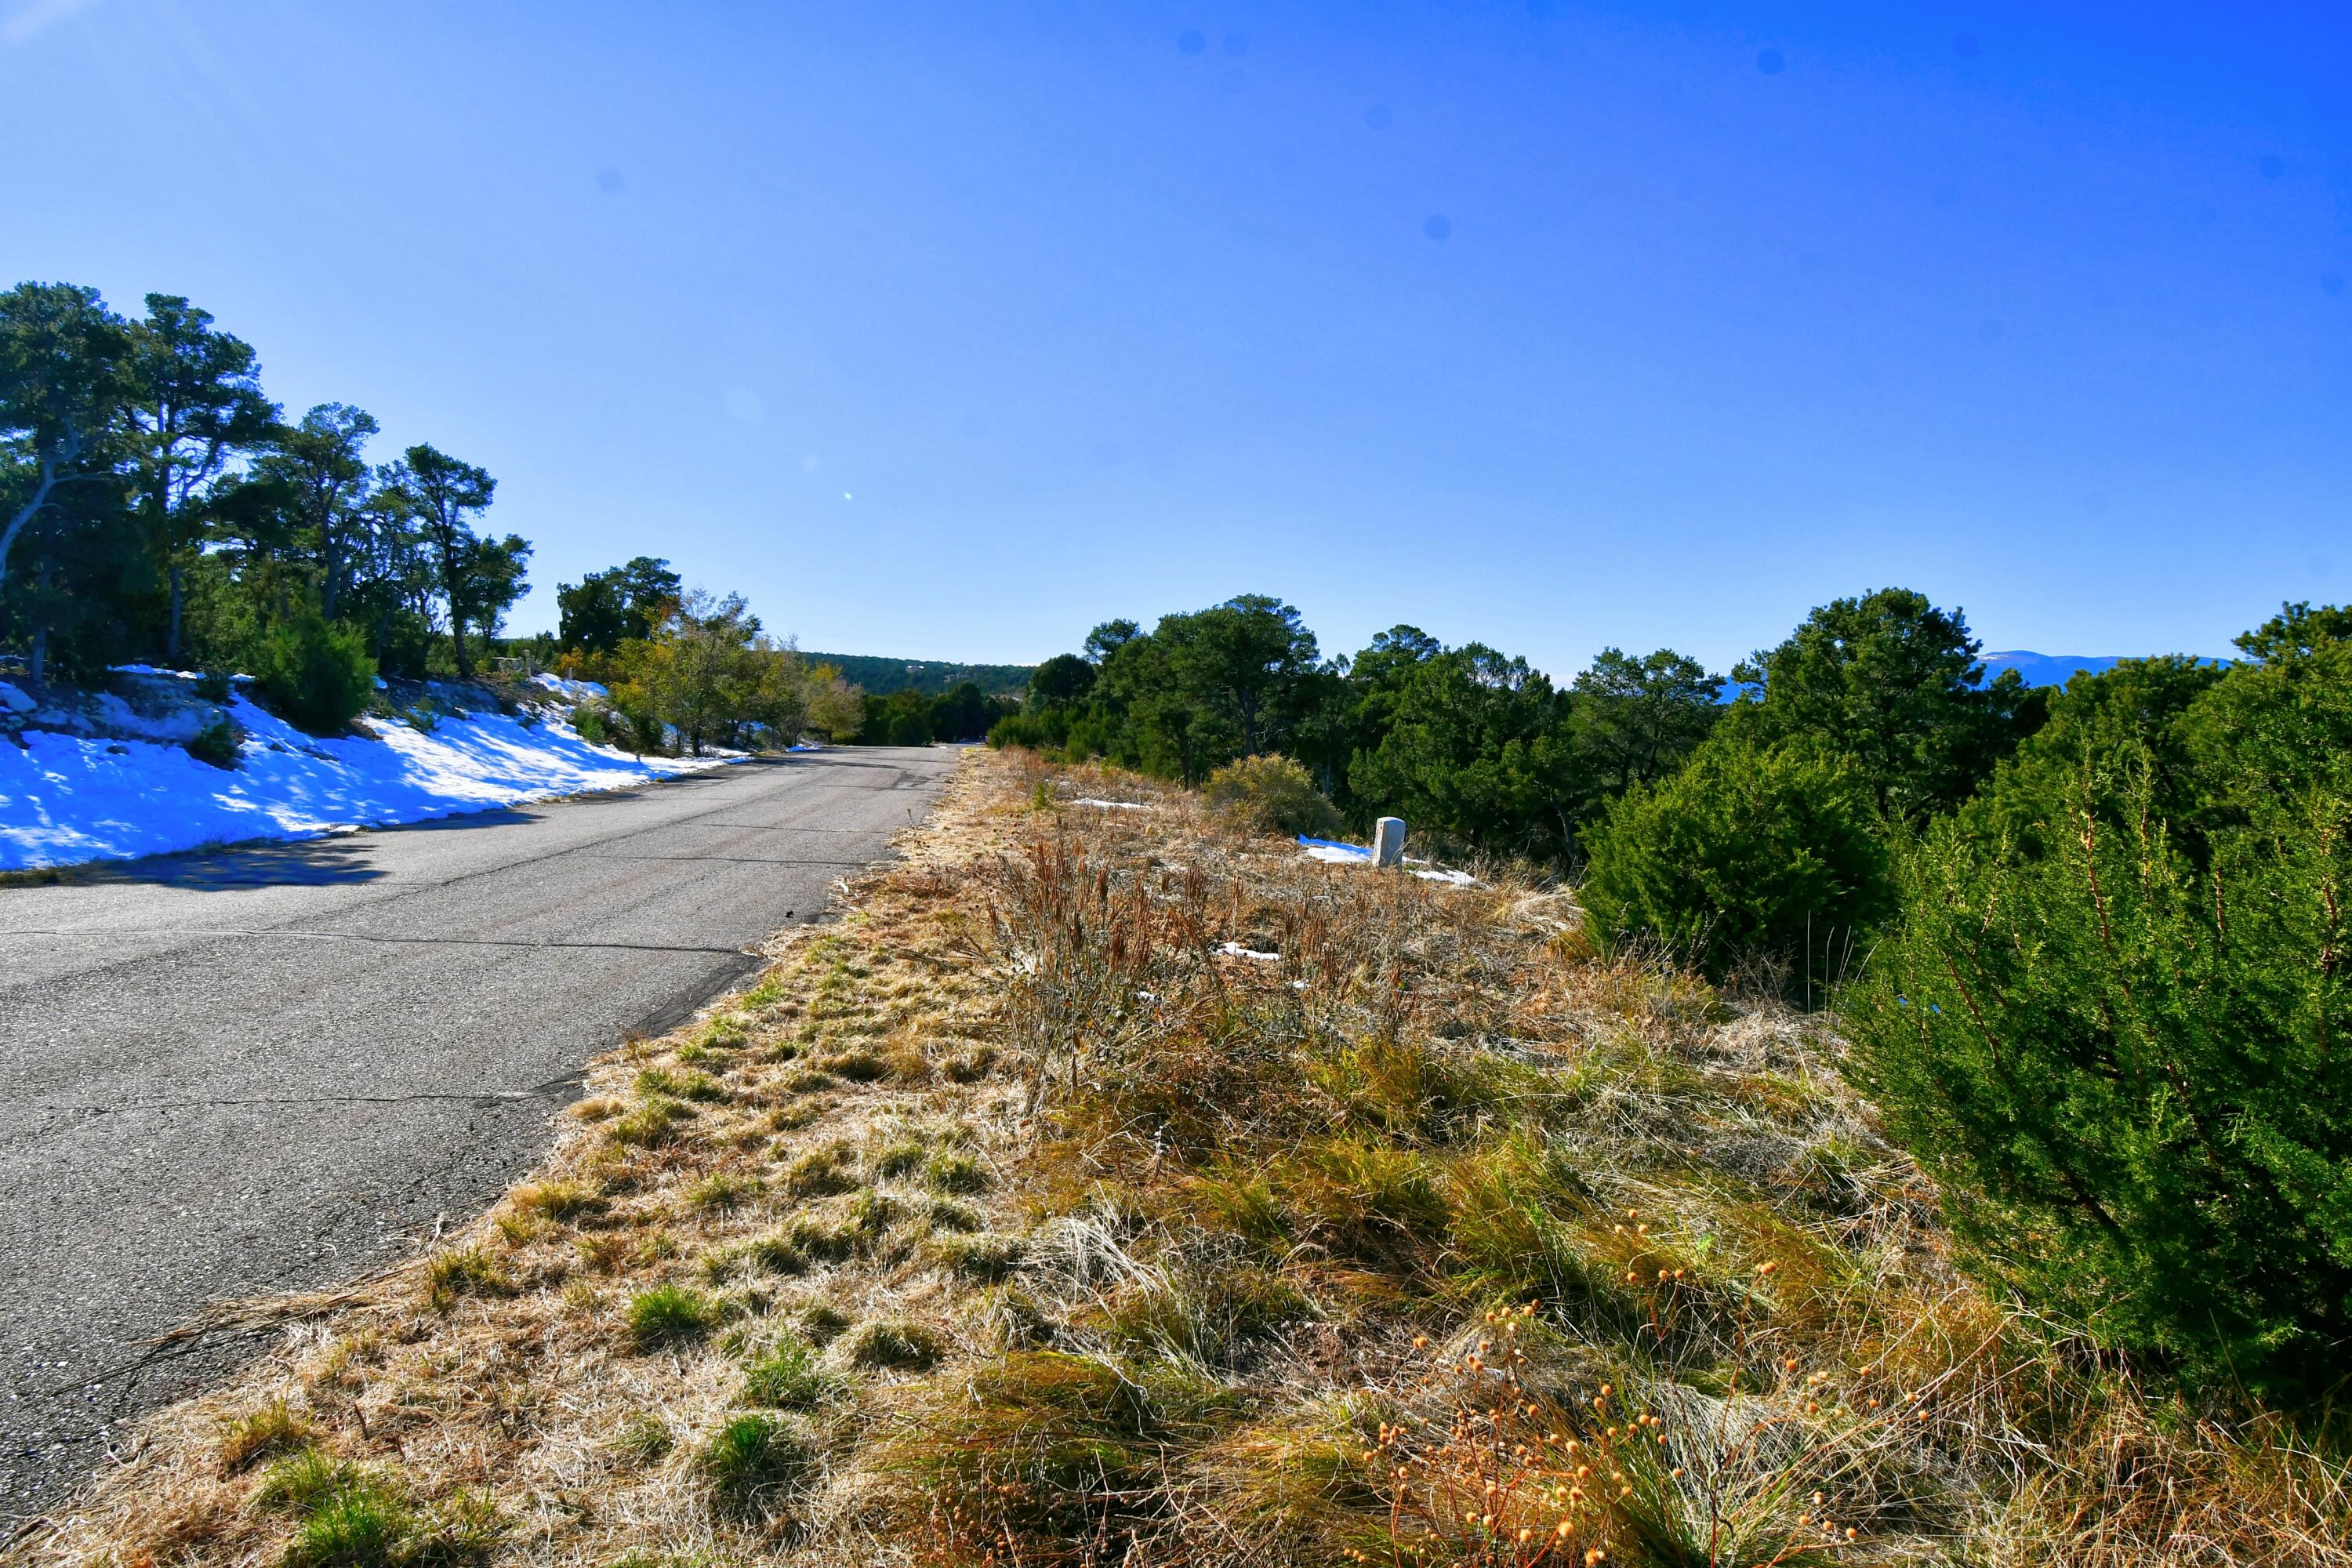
(946, 329)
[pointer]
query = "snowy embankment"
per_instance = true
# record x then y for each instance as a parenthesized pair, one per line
(135, 789)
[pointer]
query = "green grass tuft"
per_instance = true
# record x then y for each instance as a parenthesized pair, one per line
(362, 1528)
(955, 1174)
(260, 1434)
(789, 1378)
(670, 1315)
(751, 1461)
(653, 1123)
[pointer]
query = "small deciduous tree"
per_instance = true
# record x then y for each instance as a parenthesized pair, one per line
(711, 672)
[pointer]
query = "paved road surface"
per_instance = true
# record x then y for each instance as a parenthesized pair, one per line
(263, 1070)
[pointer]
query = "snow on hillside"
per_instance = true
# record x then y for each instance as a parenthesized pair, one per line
(68, 797)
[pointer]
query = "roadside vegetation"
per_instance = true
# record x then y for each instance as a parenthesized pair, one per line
(1026, 1216)
(2088, 944)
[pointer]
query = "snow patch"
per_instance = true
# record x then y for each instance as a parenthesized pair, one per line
(1111, 804)
(1236, 950)
(576, 690)
(66, 798)
(1335, 854)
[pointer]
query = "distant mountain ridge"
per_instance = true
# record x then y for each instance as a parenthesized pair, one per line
(2034, 668)
(2047, 668)
(882, 676)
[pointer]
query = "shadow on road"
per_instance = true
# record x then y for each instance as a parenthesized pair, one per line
(345, 860)
(308, 863)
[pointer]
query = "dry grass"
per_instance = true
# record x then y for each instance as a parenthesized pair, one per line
(1014, 1220)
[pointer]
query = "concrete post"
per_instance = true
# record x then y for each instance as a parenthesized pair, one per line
(1388, 841)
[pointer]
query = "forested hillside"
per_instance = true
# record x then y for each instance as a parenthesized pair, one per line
(930, 677)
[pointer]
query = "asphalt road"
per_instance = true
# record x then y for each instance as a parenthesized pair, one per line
(264, 1070)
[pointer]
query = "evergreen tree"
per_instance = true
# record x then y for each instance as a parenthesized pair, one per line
(1064, 680)
(2111, 1017)
(442, 496)
(1893, 682)
(1242, 662)
(1477, 748)
(321, 465)
(65, 377)
(1638, 718)
(196, 402)
(605, 609)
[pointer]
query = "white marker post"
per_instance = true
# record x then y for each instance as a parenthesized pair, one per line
(1388, 841)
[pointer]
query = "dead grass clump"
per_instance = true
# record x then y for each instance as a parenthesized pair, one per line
(1040, 1450)
(465, 1271)
(893, 1344)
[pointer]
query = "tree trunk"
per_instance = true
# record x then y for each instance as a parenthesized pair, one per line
(25, 514)
(41, 631)
(457, 641)
(172, 638)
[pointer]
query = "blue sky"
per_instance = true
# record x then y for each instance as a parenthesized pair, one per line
(946, 329)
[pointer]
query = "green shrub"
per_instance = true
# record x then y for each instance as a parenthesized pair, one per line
(216, 743)
(315, 674)
(591, 724)
(1273, 795)
(216, 686)
(1732, 855)
(2111, 1018)
(1034, 731)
